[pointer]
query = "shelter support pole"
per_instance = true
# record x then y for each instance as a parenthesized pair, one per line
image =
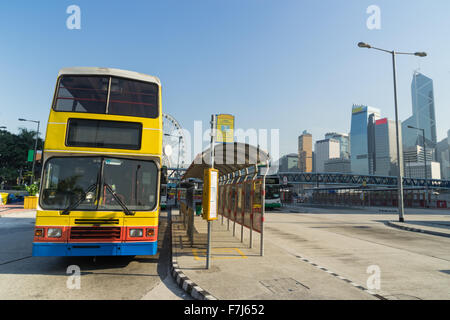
(263, 209)
(251, 219)
(213, 133)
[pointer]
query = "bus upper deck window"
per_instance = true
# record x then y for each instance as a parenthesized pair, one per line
(82, 94)
(133, 98)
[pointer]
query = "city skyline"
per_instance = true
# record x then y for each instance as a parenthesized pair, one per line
(373, 140)
(412, 119)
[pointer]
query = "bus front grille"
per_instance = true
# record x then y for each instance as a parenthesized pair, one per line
(96, 221)
(95, 233)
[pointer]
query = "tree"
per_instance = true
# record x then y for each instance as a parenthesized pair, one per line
(14, 153)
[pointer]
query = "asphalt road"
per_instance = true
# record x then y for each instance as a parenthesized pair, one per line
(411, 265)
(25, 277)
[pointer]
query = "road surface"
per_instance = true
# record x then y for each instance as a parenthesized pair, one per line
(25, 277)
(411, 265)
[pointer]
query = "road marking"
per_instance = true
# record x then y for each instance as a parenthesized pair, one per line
(15, 260)
(220, 253)
(376, 295)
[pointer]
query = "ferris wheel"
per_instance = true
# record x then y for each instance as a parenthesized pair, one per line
(174, 143)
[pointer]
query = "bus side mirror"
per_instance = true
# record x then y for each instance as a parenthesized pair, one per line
(163, 175)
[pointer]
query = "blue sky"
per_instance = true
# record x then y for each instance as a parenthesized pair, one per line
(288, 65)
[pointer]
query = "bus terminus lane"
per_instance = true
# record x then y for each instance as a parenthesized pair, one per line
(99, 193)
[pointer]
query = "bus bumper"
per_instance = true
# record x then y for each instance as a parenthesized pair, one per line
(47, 249)
(273, 205)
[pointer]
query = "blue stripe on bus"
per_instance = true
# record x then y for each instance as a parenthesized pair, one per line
(47, 249)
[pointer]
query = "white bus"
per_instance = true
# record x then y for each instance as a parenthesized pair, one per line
(273, 186)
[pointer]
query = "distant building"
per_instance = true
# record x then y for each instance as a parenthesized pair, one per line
(289, 163)
(362, 139)
(417, 170)
(423, 113)
(414, 160)
(325, 150)
(305, 161)
(386, 148)
(417, 154)
(443, 156)
(344, 143)
(338, 165)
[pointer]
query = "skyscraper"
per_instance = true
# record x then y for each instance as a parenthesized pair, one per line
(423, 114)
(386, 148)
(362, 139)
(305, 152)
(325, 150)
(344, 143)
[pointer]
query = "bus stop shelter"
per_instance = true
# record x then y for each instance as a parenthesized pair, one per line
(242, 170)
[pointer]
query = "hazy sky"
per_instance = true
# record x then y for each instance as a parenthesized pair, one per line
(291, 65)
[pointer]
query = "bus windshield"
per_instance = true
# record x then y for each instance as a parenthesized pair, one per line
(107, 95)
(272, 192)
(67, 179)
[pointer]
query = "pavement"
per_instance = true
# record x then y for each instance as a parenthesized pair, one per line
(238, 272)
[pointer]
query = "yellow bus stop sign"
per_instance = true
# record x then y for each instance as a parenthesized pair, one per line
(225, 128)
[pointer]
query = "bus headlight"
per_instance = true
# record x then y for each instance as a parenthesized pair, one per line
(136, 233)
(54, 232)
(39, 232)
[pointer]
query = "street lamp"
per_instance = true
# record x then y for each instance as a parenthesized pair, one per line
(425, 161)
(399, 155)
(35, 146)
(178, 163)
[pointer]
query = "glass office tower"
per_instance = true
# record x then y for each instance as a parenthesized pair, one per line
(423, 113)
(362, 139)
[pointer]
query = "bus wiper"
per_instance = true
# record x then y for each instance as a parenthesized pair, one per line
(124, 207)
(72, 206)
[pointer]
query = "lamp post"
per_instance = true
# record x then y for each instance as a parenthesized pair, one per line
(178, 163)
(399, 155)
(425, 162)
(35, 146)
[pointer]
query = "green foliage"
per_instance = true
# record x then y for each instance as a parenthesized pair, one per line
(32, 189)
(14, 153)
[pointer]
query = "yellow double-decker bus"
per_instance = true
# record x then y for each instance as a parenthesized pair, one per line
(99, 191)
